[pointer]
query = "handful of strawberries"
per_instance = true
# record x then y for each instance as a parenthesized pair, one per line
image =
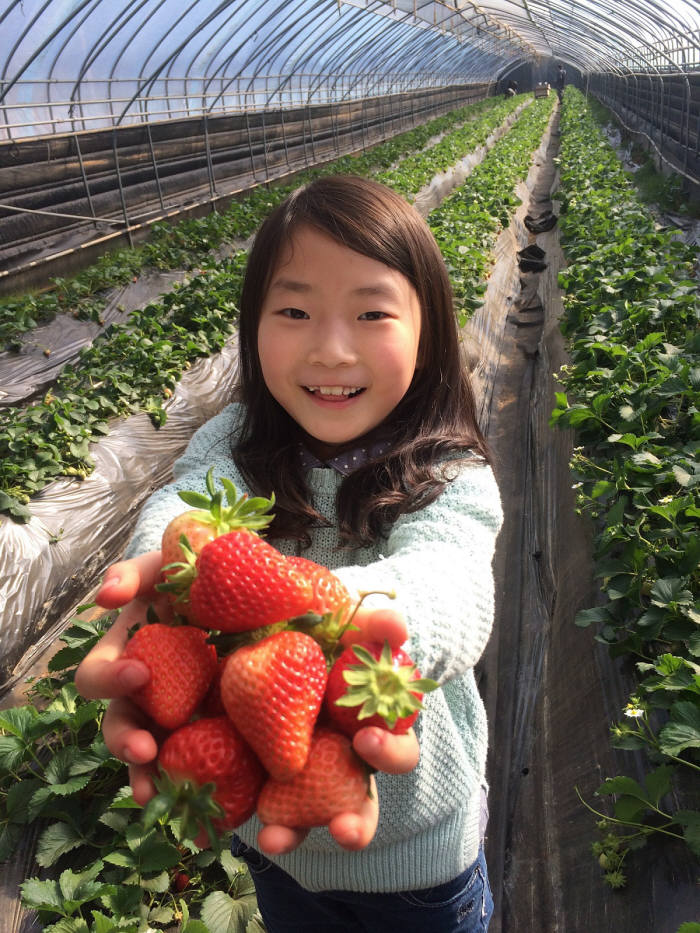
(251, 683)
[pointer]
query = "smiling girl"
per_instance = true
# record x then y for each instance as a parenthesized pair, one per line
(356, 409)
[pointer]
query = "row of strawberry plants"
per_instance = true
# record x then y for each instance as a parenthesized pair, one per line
(132, 367)
(421, 167)
(467, 223)
(632, 394)
(189, 243)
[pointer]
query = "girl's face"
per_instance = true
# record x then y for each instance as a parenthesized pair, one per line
(338, 338)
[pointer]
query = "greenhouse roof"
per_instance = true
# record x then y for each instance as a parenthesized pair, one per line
(71, 65)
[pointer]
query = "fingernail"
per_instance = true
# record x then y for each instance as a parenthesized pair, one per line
(132, 677)
(111, 581)
(370, 741)
(127, 757)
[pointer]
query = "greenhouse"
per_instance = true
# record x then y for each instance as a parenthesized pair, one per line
(552, 149)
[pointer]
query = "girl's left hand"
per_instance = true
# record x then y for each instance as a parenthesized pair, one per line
(395, 754)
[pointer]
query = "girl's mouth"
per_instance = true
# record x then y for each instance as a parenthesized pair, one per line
(335, 393)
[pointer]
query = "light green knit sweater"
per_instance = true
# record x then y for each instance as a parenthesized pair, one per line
(438, 560)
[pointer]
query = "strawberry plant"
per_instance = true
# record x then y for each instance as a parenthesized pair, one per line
(631, 394)
(467, 223)
(190, 243)
(103, 869)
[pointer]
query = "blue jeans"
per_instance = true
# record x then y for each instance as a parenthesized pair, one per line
(463, 905)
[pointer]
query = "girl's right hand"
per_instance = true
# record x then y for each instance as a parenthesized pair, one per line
(105, 674)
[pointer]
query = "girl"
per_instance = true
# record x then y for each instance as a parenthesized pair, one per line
(355, 408)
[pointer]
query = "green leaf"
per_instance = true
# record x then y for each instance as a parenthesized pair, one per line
(195, 926)
(586, 617)
(690, 821)
(12, 752)
(158, 884)
(68, 925)
(10, 835)
(223, 914)
(124, 900)
(18, 721)
(81, 886)
(42, 895)
(55, 841)
(658, 782)
(622, 785)
(670, 590)
(683, 730)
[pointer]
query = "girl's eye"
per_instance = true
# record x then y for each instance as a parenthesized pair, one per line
(296, 314)
(373, 316)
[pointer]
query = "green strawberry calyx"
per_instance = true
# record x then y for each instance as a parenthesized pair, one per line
(379, 687)
(240, 513)
(189, 805)
(328, 629)
(235, 513)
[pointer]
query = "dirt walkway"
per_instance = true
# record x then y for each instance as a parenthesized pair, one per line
(551, 691)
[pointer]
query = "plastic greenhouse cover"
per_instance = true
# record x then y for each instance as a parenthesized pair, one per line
(82, 66)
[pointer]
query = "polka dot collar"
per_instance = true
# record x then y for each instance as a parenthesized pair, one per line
(345, 462)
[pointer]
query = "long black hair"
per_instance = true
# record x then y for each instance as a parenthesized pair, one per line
(434, 420)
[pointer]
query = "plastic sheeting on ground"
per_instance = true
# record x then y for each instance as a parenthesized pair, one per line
(79, 527)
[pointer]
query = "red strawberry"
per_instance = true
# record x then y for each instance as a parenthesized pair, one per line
(331, 601)
(182, 666)
(212, 750)
(369, 686)
(186, 535)
(272, 691)
(329, 593)
(180, 881)
(242, 582)
(335, 780)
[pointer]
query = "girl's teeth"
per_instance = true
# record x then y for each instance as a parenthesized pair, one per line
(334, 390)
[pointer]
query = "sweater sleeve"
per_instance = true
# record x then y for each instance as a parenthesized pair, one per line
(438, 560)
(210, 447)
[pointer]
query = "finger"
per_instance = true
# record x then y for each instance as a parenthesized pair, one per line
(128, 579)
(276, 840)
(377, 625)
(141, 780)
(395, 754)
(125, 735)
(103, 673)
(354, 831)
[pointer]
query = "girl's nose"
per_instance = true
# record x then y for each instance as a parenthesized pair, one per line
(331, 345)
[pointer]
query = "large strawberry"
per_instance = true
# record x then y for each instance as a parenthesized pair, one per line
(186, 534)
(375, 685)
(272, 691)
(213, 751)
(182, 666)
(241, 582)
(329, 592)
(330, 611)
(334, 780)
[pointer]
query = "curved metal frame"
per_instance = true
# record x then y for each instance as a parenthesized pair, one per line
(294, 53)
